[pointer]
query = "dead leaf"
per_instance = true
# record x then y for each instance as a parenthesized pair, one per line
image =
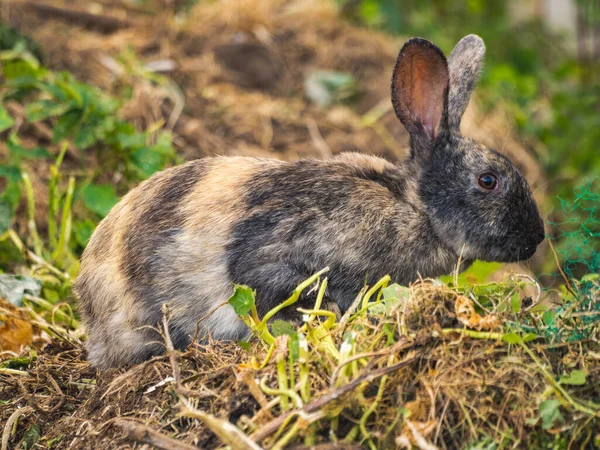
(16, 331)
(466, 314)
(414, 434)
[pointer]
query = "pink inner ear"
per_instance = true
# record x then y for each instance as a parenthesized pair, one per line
(429, 79)
(421, 81)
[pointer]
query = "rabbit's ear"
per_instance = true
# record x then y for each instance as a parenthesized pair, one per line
(464, 65)
(420, 89)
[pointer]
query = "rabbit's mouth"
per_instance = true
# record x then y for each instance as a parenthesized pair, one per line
(508, 254)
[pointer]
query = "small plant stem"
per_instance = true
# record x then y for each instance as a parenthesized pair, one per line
(225, 430)
(66, 222)
(54, 198)
(283, 426)
(474, 334)
(318, 302)
(287, 437)
(55, 310)
(146, 435)
(282, 380)
(352, 434)
(311, 437)
(292, 375)
(255, 317)
(371, 409)
(31, 226)
(381, 284)
(295, 295)
(281, 392)
(321, 312)
(14, 237)
(268, 357)
(303, 368)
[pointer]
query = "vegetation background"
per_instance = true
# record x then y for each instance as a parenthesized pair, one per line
(96, 96)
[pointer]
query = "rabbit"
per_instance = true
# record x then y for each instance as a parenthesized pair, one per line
(188, 234)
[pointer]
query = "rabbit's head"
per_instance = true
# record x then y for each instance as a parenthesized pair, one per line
(477, 201)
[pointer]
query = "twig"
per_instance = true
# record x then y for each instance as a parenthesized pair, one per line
(6, 371)
(474, 334)
(398, 347)
(146, 435)
(367, 377)
(317, 139)
(225, 430)
(567, 284)
(9, 424)
(353, 307)
(173, 355)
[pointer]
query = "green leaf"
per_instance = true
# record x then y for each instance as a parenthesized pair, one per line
(55, 440)
(244, 344)
(9, 199)
(133, 141)
(31, 436)
(576, 378)
(147, 161)
(281, 327)
(325, 87)
(83, 231)
(548, 317)
(242, 300)
(294, 346)
(515, 302)
(487, 443)
(11, 173)
(99, 198)
(85, 137)
(14, 287)
(66, 125)
(512, 338)
(395, 292)
(529, 337)
(6, 121)
(13, 70)
(6, 214)
(550, 413)
(21, 152)
(42, 109)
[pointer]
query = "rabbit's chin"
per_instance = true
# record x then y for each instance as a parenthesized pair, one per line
(506, 255)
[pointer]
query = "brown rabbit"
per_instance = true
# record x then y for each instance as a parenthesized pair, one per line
(187, 234)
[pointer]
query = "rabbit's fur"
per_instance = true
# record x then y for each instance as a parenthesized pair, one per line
(187, 234)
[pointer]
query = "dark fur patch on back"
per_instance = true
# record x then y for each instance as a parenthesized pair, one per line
(278, 244)
(156, 225)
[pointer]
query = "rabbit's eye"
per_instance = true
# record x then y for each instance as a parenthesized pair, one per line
(488, 181)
